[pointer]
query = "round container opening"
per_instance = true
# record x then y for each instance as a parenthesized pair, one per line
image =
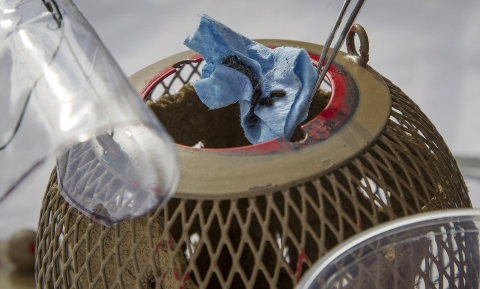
(190, 123)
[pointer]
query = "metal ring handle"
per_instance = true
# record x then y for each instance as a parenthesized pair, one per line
(362, 58)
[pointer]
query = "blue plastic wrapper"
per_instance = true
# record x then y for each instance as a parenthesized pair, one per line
(272, 86)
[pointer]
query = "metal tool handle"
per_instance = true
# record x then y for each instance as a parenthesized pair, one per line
(346, 29)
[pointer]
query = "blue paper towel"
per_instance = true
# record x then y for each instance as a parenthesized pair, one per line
(272, 86)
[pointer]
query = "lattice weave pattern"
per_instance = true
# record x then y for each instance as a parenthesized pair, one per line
(268, 241)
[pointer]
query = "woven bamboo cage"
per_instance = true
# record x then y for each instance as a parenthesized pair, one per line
(258, 216)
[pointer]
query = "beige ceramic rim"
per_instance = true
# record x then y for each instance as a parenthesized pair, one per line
(207, 174)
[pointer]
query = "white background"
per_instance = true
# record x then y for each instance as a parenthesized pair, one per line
(429, 48)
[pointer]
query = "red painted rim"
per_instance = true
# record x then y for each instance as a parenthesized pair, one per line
(341, 105)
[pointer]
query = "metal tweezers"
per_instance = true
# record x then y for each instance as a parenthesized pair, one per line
(321, 72)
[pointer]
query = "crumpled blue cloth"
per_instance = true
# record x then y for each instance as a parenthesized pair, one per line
(272, 86)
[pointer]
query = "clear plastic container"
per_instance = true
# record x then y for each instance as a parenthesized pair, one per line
(430, 250)
(64, 95)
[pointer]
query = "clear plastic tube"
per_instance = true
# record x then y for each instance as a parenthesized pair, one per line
(63, 95)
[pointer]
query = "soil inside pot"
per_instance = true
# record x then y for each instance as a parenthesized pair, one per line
(189, 121)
